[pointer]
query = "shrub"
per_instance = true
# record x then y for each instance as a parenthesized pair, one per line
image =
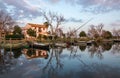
(14, 36)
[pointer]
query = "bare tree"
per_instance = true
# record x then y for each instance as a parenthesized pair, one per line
(116, 32)
(95, 31)
(71, 33)
(92, 31)
(59, 32)
(99, 29)
(6, 21)
(54, 20)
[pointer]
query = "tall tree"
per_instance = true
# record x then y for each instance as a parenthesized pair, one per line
(95, 31)
(107, 34)
(17, 30)
(17, 33)
(82, 34)
(92, 31)
(31, 32)
(99, 29)
(71, 33)
(6, 21)
(46, 24)
(116, 32)
(54, 20)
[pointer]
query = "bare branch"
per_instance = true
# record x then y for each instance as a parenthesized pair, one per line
(53, 19)
(96, 30)
(6, 22)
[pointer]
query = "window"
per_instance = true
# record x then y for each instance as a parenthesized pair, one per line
(40, 30)
(43, 28)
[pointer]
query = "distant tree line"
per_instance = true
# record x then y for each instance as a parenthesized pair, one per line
(15, 34)
(97, 32)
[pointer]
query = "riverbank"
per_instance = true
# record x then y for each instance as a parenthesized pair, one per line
(60, 42)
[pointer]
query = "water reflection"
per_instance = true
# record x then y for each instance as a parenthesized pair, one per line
(98, 49)
(72, 62)
(54, 56)
(97, 70)
(73, 51)
(82, 47)
(115, 48)
(35, 53)
(16, 53)
(107, 46)
(6, 61)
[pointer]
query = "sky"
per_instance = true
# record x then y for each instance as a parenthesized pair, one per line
(76, 12)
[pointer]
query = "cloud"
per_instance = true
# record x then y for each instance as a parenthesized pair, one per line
(20, 8)
(31, 9)
(116, 23)
(54, 1)
(20, 22)
(73, 20)
(118, 20)
(98, 6)
(94, 6)
(2, 5)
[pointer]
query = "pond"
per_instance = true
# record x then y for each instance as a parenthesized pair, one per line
(94, 61)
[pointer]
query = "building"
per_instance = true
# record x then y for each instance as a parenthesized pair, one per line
(41, 29)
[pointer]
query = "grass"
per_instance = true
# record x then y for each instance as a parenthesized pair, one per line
(9, 46)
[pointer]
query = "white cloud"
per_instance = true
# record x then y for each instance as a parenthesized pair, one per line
(73, 20)
(94, 6)
(23, 7)
(98, 6)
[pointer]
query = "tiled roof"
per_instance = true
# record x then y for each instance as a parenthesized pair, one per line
(37, 25)
(34, 25)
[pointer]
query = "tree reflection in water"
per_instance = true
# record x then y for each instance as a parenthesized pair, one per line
(58, 59)
(97, 50)
(94, 70)
(17, 53)
(50, 67)
(82, 47)
(107, 46)
(73, 51)
(7, 61)
(116, 48)
(54, 66)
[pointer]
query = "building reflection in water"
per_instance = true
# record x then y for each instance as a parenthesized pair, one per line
(35, 53)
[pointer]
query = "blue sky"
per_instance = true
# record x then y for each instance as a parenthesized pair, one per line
(77, 12)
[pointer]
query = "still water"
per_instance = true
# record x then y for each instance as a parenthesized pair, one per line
(95, 61)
